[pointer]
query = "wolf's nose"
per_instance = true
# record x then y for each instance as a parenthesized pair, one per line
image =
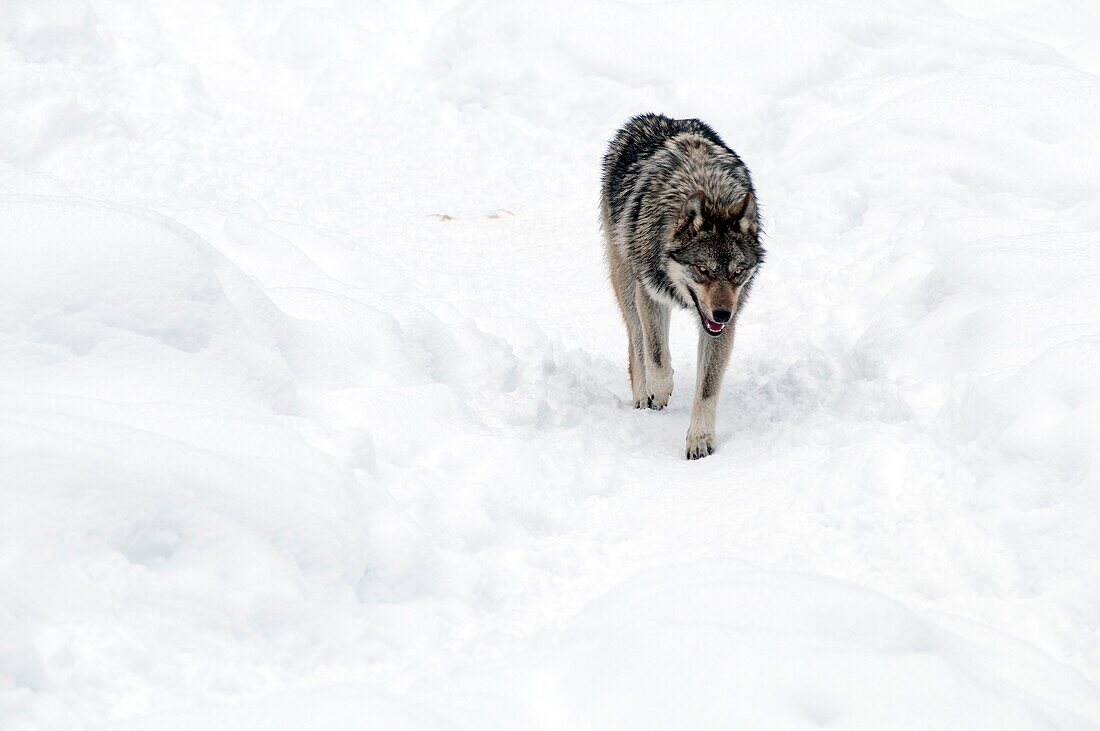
(722, 315)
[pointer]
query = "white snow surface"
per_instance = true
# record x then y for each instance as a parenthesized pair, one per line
(313, 398)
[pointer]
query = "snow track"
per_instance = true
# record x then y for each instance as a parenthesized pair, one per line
(313, 402)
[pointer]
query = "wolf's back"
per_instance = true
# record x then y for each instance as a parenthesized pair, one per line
(635, 143)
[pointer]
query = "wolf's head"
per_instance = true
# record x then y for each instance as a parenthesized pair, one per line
(715, 251)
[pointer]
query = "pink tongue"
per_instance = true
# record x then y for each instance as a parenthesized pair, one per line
(713, 326)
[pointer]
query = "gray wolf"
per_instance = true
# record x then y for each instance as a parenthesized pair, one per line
(681, 229)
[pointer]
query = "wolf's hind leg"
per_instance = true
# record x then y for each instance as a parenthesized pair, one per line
(658, 369)
(623, 281)
(714, 354)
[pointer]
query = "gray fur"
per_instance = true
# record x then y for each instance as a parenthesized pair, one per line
(681, 227)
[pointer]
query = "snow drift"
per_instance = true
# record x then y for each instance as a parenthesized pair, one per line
(313, 404)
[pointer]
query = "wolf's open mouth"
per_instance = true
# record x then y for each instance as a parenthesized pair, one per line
(713, 328)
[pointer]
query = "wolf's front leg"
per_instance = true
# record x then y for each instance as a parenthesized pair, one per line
(624, 283)
(658, 370)
(714, 354)
(636, 368)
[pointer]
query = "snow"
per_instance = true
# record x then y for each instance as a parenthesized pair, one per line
(313, 396)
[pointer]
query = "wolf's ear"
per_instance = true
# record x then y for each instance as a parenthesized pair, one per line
(691, 215)
(744, 211)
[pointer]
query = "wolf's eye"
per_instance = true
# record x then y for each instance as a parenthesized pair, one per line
(701, 269)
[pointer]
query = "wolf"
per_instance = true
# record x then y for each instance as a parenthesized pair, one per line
(681, 229)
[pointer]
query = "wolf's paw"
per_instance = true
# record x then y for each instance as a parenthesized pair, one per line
(653, 401)
(658, 392)
(699, 445)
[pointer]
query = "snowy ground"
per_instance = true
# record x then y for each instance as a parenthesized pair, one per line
(313, 401)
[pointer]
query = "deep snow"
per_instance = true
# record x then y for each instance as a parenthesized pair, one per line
(313, 400)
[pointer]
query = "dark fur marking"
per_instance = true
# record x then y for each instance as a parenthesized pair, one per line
(711, 378)
(656, 353)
